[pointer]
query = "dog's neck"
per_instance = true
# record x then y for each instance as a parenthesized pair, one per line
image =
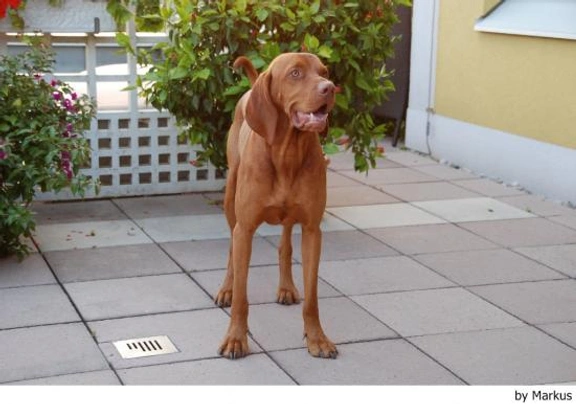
(294, 150)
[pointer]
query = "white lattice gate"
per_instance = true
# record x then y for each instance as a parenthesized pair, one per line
(135, 148)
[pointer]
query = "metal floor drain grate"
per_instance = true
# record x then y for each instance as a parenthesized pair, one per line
(149, 346)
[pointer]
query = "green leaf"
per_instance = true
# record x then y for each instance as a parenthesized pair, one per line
(202, 74)
(324, 52)
(129, 88)
(262, 14)
(240, 6)
(330, 148)
(311, 42)
(178, 73)
(362, 83)
(124, 41)
(315, 7)
(234, 90)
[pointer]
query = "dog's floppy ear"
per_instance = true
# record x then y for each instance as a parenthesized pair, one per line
(261, 113)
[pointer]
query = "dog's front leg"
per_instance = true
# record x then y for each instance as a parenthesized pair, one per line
(318, 343)
(235, 344)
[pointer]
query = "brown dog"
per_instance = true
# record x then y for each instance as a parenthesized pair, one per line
(277, 175)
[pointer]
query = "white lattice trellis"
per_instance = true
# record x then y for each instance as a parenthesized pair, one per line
(142, 155)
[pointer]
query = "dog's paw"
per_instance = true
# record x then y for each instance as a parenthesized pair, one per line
(321, 347)
(287, 295)
(224, 297)
(234, 347)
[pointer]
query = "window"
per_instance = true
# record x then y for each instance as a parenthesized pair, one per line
(544, 18)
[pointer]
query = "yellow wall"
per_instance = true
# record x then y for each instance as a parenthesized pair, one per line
(517, 84)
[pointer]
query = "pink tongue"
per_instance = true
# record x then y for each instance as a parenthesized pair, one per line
(309, 121)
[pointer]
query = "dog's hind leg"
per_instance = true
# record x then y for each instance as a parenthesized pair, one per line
(287, 292)
(224, 296)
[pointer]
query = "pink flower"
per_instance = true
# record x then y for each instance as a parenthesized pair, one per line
(74, 96)
(66, 164)
(3, 155)
(67, 104)
(56, 95)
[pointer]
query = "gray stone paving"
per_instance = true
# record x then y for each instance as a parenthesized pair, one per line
(429, 275)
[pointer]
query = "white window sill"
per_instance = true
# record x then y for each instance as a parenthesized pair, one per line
(540, 18)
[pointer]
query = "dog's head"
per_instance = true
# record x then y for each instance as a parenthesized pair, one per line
(294, 91)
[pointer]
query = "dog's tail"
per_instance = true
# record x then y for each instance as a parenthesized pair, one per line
(246, 64)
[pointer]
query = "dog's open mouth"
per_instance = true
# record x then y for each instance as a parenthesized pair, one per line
(312, 121)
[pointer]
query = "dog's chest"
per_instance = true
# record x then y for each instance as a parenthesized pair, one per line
(295, 202)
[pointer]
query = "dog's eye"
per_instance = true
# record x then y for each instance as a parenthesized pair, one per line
(296, 73)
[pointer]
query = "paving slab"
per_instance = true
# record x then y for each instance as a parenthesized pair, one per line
(185, 228)
(78, 211)
(357, 195)
(33, 270)
(409, 158)
(377, 275)
(345, 161)
(35, 305)
(560, 257)
(262, 283)
(430, 238)
(472, 210)
(444, 172)
(535, 302)
(104, 233)
(341, 245)
(335, 179)
(136, 296)
(426, 191)
(31, 353)
(565, 220)
(515, 356)
(98, 378)
(386, 215)
(167, 205)
(213, 254)
(390, 362)
(255, 369)
(488, 187)
(277, 327)
(523, 232)
(435, 311)
(110, 262)
(484, 267)
(537, 205)
(565, 332)
(341, 161)
(386, 176)
(196, 334)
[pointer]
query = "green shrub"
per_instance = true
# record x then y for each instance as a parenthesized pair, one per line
(193, 79)
(41, 143)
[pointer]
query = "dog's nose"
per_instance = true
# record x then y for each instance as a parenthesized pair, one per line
(326, 88)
